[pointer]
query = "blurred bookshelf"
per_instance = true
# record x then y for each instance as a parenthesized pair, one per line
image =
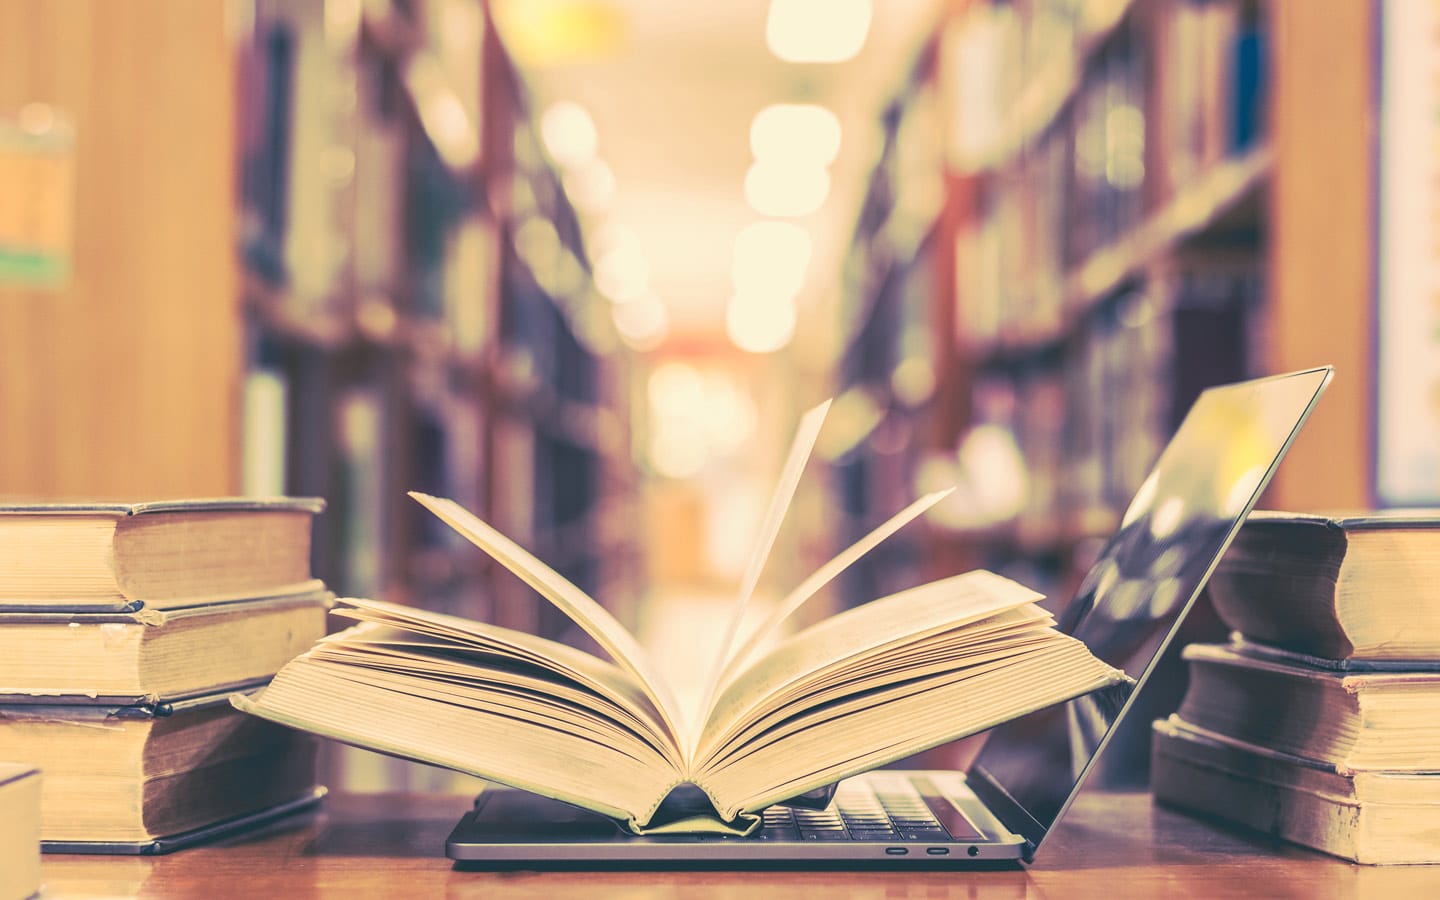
(420, 313)
(1105, 242)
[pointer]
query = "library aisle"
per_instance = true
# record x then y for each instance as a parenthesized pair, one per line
(583, 265)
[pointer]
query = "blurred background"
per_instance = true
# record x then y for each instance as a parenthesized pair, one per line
(580, 265)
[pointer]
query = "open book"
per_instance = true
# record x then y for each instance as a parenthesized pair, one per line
(782, 715)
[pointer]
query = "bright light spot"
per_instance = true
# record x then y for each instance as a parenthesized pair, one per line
(642, 323)
(695, 417)
(1242, 490)
(679, 445)
(729, 414)
(1125, 146)
(770, 259)
(913, 381)
(1165, 596)
(594, 327)
(1141, 504)
(36, 118)
(569, 134)
(610, 236)
(994, 465)
(853, 416)
(623, 273)
(760, 325)
(441, 112)
(785, 191)
(537, 243)
(795, 134)
(676, 390)
(590, 187)
(1167, 518)
(817, 31)
(678, 452)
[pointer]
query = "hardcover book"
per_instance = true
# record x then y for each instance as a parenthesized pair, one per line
(782, 715)
(127, 776)
(129, 556)
(1368, 817)
(1334, 587)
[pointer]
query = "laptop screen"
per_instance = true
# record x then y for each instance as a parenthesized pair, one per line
(1132, 601)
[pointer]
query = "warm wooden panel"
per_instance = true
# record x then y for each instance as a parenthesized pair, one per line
(125, 380)
(1323, 242)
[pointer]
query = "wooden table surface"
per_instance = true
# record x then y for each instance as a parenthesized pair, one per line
(1109, 846)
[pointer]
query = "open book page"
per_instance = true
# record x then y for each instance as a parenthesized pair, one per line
(800, 449)
(421, 720)
(880, 676)
(907, 616)
(827, 744)
(821, 577)
(462, 649)
(382, 656)
(593, 618)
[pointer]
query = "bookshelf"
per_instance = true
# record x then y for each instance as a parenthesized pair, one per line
(419, 311)
(1141, 198)
(1138, 202)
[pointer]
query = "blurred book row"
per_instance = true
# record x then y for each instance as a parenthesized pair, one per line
(420, 310)
(1098, 254)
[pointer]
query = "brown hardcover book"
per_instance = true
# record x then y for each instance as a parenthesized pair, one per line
(1351, 720)
(1337, 587)
(19, 831)
(135, 774)
(153, 555)
(1367, 817)
(152, 653)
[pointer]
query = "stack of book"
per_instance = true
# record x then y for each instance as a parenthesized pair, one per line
(123, 630)
(1320, 721)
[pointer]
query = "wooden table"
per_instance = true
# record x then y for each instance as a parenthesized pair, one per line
(1108, 846)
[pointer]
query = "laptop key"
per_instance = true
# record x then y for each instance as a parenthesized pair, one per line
(824, 834)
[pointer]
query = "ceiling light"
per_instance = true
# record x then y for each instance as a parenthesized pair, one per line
(786, 191)
(770, 259)
(643, 323)
(569, 134)
(795, 134)
(760, 325)
(817, 31)
(676, 390)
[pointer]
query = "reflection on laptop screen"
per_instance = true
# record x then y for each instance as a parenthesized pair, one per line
(1180, 522)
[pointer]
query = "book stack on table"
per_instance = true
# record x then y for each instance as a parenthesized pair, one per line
(124, 628)
(1320, 721)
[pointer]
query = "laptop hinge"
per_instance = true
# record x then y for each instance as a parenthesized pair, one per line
(1010, 813)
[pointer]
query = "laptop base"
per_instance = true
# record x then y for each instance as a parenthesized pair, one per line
(514, 829)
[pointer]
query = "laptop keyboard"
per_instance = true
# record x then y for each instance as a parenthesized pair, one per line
(895, 809)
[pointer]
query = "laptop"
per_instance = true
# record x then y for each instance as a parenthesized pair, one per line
(1002, 806)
